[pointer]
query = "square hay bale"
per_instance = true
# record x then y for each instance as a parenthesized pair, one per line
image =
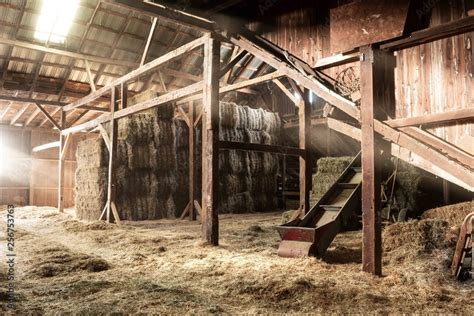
(137, 128)
(92, 152)
(164, 132)
(453, 214)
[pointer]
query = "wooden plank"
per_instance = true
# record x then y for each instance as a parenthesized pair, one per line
(46, 146)
(198, 207)
(434, 33)
(143, 106)
(234, 60)
(32, 117)
(65, 148)
(184, 115)
(48, 116)
(138, 72)
(436, 118)
(336, 60)
(375, 66)
(59, 52)
(61, 165)
(274, 149)
(104, 135)
(18, 115)
(192, 164)
(148, 41)
(185, 211)
(111, 189)
(157, 8)
(89, 76)
(304, 116)
(210, 142)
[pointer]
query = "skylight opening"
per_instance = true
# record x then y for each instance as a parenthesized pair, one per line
(55, 20)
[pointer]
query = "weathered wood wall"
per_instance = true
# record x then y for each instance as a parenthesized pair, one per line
(29, 178)
(430, 78)
(438, 77)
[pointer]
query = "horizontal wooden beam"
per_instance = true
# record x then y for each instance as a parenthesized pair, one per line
(436, 118)
(143, 106)
(60, 52)
(274, 149)
(138, 72)
(30, 100)
(431, 34)
(159, 10)
(336, 60)
(46, 146)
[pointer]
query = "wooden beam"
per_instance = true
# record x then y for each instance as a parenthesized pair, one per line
(104, 135)
(49, 117)
(140, 107)
(191, 162)
(336, 60)
(9, 106)
(210, 142)
(234, 60)
(160, 10)
(30, 100)
(274, 149)
(444, 147)
(290, 95)
(67, 143)
(46, 146)
(138, 72)
(431, 34)
(434, 119)
(377, 82)
(32, 117)
(304, 116)
(18, 115)
(54, 51)
(397, 151)
(61, 164)
(111, 184)
(148, 41)
(89, 76)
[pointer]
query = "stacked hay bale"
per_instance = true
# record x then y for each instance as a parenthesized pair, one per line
(328, 171)
(146, 168)
(91, 178)
(181, 195)
(248, 180)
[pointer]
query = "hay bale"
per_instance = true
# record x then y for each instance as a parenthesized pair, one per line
(92, 152)
(229, 115)
(142, 156)
(453, 214)
(166, 159)
(232, 184)
(181, 134)
(233, 161)
(328, 171)
(232, 135)
(413, 238)
(137, 128)
(164, 132)
(254, 137)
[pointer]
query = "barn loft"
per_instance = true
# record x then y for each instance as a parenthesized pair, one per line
(236, 156)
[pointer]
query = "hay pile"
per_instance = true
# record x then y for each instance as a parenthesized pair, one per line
(248, 180)
(328, 171)
(453, 214)
(146, 169)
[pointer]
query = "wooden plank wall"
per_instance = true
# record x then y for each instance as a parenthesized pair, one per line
(431, 78)
(36, 177)
(438, 77)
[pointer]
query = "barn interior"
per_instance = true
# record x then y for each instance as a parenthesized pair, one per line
(235, 156)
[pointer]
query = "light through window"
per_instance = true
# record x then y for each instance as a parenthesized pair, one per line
(55, 20)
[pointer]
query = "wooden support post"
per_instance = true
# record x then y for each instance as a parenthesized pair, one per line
(124, 95)
(210, 141)
(112, 155)
(446, 195)
(377, 90)
(192, 178)
(304, 116)
(61, 164)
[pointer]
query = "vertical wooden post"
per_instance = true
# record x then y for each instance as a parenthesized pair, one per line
(124, 95)
(304, 116)
(192, 178)
(112, 155)
(210, 142)
(446, 195)
(377, 90)
(61, 164)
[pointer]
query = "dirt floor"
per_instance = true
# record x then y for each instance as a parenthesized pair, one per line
(67, 266)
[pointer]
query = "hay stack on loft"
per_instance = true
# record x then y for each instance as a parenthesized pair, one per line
(146, 169)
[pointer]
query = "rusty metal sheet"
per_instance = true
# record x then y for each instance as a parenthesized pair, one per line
(364, 22)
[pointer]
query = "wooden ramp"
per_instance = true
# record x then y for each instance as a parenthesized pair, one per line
(461, 266)
(312, 234)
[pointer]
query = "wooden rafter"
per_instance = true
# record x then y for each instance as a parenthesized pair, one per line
(48, 116)
(148, 42)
